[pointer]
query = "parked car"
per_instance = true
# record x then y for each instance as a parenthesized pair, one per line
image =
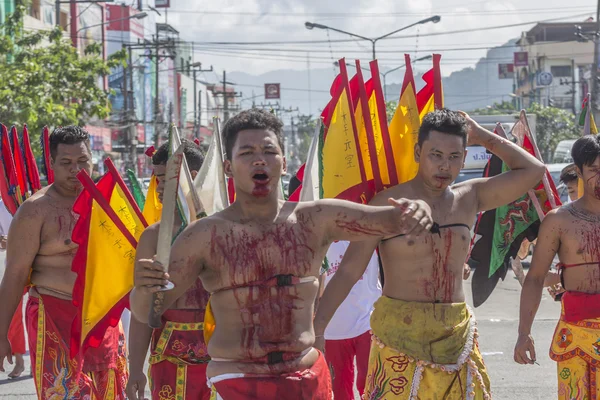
(555, 170)
(562, 153)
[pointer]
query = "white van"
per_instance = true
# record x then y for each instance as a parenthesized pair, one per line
(562, 153)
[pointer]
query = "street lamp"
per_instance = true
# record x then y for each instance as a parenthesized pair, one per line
(311, 25)
(135, 16)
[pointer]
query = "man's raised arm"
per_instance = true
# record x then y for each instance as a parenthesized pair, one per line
(344, 220)
(22, 248)
(184, 268)
(525, 170)
(547, 246)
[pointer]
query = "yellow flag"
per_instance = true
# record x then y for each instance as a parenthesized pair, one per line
(107, 232)
(404, 128)
(152, 207)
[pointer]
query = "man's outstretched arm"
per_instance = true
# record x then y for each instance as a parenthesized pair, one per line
(344, 220)
(531, 294)
(525, 170)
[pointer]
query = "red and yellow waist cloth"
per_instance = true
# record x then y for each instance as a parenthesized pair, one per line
(103, 374)
(576, 346)
(313, 383)
(424, 351)
(179, 357)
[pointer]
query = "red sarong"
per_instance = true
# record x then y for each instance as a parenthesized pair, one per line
(16, 331)
(179, 357)
(580, 306)
(311, 384)
(104, 372)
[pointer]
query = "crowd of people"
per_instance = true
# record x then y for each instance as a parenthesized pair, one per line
(254, 314)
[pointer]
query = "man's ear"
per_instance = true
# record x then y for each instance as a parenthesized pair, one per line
(284, 166)
(193, 173)
(227, 168)
(417, 153)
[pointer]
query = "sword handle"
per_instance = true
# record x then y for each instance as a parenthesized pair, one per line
(156, 311)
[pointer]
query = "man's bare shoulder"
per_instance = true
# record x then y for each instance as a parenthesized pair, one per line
(36, 206)
(402, 190)
(206, 225)
(575, 212)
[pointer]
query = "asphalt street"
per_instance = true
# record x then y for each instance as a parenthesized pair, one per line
(497, 321)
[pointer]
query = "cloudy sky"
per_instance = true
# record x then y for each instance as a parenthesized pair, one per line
(259, 35)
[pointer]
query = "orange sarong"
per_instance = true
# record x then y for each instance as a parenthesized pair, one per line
(103, 374)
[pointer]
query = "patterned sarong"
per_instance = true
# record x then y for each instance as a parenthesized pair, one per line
(424, 351)
(104, 371)
(311, 384)
(576, 349)
(179, 357)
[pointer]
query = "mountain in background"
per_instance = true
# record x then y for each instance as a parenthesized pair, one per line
(467, 89)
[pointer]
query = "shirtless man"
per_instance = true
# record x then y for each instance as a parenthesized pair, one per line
(179, 364)
(424, 335)
(260, 259)
(572, 232)
(39, 253)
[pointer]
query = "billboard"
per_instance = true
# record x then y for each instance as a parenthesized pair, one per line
(521, 59)
(506, 71)
(272, 91)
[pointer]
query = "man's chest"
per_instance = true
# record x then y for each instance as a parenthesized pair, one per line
(248, 253)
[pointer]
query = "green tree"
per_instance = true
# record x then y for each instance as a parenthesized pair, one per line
(390, 109)
(45, 81)
(552, 126)
(505, 107)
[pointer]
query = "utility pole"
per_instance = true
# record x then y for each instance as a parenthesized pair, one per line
(197, 130)
(226, 100)
(595, 65)
(156, 103)
(197, 109)
(133, 120)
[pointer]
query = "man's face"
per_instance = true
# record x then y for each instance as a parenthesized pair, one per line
(591, 178)
(572, 189)
(257, 163)
(160, 172)
(69, 160)
(440, 158)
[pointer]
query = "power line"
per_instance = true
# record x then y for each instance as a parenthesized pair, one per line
(377, 14)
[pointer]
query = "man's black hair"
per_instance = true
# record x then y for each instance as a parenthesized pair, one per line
(568, 174)
(251, 119)
(445, 121)
(192, 152)
(71, 134)
(585, 150)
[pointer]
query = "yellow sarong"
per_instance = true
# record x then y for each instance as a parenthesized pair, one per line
(424, 351)
(576, 349)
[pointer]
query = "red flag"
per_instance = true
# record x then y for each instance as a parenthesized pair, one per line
(379, 109)
(19, 165)
(368, 124)
(107, 234)
(33, 174)
(45, 139)
(9, 164)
